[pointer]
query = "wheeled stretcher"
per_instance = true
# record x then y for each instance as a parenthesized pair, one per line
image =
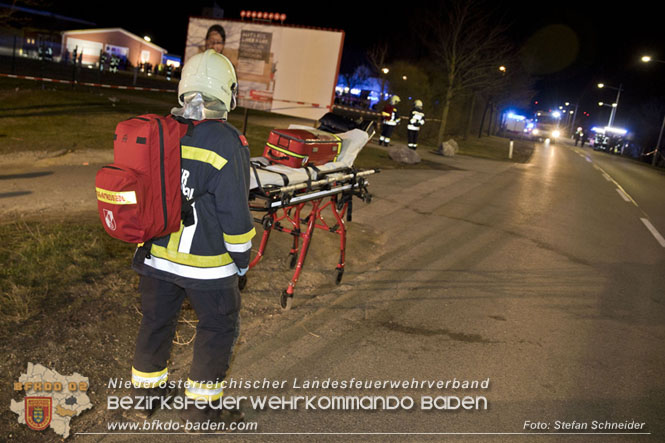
(297, 202)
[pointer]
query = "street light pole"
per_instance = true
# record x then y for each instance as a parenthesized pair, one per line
(384, 78)
(654, 160)
(609, 123)
(572, 116)
(615, 104)
(655, 152)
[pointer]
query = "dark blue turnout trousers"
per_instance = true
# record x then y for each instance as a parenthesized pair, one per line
(216, 331)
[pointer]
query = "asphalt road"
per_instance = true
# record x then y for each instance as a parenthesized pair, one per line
(539, 279)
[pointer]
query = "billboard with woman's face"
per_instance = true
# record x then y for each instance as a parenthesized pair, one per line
(283, 69)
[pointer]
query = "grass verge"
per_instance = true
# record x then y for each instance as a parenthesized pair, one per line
(48, 265)
(496, 148)
(61, 117)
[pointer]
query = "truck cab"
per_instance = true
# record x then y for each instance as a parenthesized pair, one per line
(546, 126)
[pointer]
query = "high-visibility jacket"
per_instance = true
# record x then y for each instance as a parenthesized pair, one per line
(390, 115)
(416, 119)
(215, 173)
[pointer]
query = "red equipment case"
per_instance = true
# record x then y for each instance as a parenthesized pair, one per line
(139, 195)
(297, 148)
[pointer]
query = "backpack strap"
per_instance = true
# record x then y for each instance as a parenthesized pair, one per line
(191, 124)
(187, 210)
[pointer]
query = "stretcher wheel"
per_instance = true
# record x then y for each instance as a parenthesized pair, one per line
(286, 301)
(340, 273)
(242, 282)
(294, 260)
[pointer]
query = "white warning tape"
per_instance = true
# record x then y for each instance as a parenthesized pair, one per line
(264, 96)
(98, 85)
(356, 110)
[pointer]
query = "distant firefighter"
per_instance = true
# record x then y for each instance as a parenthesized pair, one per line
(578, 135)
(416, 120)
(390, 118)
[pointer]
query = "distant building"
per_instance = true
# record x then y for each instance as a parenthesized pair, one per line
(114, 41)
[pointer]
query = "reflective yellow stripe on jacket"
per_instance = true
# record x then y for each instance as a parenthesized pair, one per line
(203, 155)
(240, 242)
(205, 267)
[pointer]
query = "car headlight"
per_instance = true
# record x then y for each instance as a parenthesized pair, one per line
(535, 132)
(555, 134)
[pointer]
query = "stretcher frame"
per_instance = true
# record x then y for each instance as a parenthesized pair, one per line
(298, 210)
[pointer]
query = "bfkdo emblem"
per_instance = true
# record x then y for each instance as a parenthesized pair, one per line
(38, 412)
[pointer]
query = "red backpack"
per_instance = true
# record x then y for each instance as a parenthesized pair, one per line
(139, 195)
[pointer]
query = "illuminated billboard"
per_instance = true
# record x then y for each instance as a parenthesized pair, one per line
(284, 69)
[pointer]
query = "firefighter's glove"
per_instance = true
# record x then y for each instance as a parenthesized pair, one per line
(242, 271)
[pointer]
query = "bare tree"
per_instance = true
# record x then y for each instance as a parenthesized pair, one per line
(467, 50)
(377, 56)
(357, 77)
(8, 13)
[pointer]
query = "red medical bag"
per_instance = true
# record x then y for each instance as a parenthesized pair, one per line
(297, 148)
(139, 195)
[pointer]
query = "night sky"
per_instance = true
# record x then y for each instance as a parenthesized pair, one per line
(581, 43)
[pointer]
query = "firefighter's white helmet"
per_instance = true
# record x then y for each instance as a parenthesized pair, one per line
(211, 74)
(418, 104)
(395, 100)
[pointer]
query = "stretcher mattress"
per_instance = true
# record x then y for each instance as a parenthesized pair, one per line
(274, 175)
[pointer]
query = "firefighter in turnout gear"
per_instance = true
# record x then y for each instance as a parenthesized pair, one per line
(416, 120)
(390, 118)
(202, 261)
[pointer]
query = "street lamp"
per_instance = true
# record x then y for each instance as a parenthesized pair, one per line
(613, 106)
(571, 115)
(649, 59)
(616, 102)
(384, 78)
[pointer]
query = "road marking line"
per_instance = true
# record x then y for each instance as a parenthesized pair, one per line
(654, 232)
(623, 195)
(610, 179)
(588, 159)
